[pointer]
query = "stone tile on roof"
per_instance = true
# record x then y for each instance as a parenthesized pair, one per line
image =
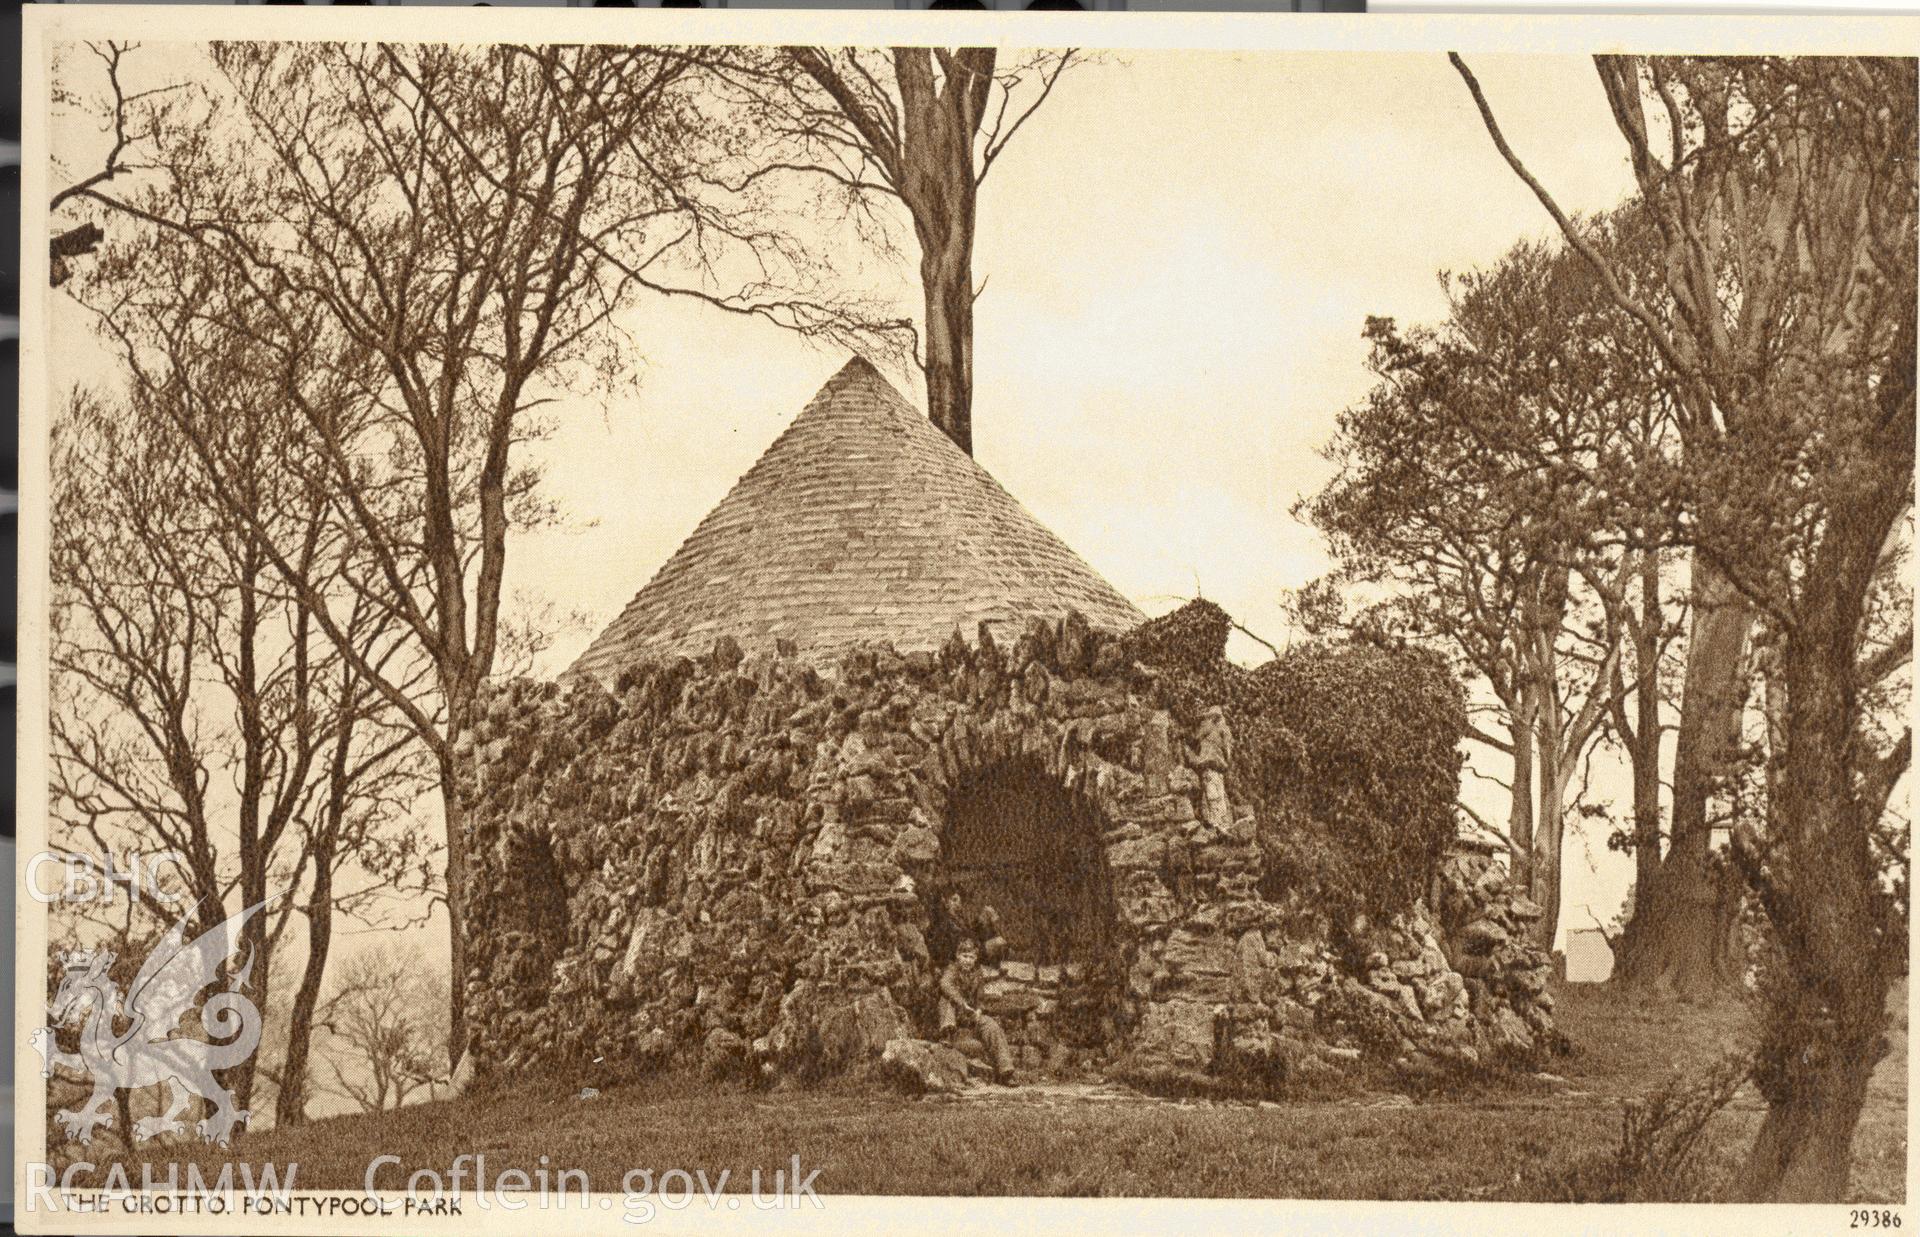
(862, 521)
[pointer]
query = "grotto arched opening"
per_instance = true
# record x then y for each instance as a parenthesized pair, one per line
(1023, 872)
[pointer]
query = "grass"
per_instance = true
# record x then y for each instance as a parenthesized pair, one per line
(1489, 1143)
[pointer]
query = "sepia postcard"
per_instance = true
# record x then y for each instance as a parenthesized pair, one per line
(820, 620)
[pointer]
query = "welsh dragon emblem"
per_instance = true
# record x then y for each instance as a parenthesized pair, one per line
(146, 1052)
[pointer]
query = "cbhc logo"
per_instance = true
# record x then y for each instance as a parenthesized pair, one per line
(85, 878)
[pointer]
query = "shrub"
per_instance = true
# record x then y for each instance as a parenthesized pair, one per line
(1665, 1153)
(1350, 752)
(1367, 771)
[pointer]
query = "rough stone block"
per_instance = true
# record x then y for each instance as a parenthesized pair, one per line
(1215, 810)
(1482, 936)
(1156, 752)
(1142, 852)
(1175, 1034)
(923, 1068)
(1161, 810)
(1509, 1032)
(1201, 967)
(916, 845)
(1213, 741)
(723, 1054)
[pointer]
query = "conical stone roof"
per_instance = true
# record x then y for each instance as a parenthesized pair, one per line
(862, 522)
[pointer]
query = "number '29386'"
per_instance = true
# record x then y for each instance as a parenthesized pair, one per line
(1873, 1217)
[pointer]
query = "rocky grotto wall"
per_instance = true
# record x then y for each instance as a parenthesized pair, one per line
(732, 863)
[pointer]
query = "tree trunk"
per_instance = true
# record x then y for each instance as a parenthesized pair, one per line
(1645, 759)
(1710, 707)
(946, 271)
(1805, 1145)
(253, 764)
(456, 915)
(290, 1106)
(1683, 940)
(1520, 810)
(1549, 839)
(925, 141)
(1826, 1018)
(1644, 752)
(1840, 940)
(459, 715)
(254, 945)
(1674, 941)
(936, 180)
(940, 193)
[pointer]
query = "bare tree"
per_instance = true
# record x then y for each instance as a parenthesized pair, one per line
(132, 119)
(383, 1030)
(356, 863)
(1785, 195)
(197, 710)
(923, 126)
(429, 244)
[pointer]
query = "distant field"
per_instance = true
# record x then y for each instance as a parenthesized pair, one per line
(1489, 1144)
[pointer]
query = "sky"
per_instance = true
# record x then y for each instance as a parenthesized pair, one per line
(1179, 252)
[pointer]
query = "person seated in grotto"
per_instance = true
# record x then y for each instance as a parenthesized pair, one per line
(960, 986)
(986, 925)
(951, 922)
